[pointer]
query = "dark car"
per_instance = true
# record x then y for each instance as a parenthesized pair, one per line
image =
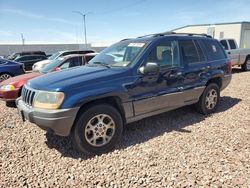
(19, 54)
(9, 69)
(29, 60)
(131, 80)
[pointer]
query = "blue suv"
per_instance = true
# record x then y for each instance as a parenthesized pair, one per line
(128, 81)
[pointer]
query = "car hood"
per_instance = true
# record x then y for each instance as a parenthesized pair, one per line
(18, 81)
(74, 78)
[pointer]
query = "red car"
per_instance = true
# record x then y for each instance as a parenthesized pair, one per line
(10, 89)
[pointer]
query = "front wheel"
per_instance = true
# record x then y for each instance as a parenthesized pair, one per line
(246, 65)
(209, 100)
(97, 129)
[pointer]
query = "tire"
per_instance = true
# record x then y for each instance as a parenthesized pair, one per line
(11, 104)
(4, 76)
(246, 65)
(209, 100)
(93, 125)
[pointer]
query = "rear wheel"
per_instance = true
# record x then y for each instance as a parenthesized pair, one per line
(209, 100)
(4, 76)
(98, 129)
(246, 65)
(11, 104)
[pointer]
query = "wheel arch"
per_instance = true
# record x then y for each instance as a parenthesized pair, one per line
(113, 101)
(215, 80)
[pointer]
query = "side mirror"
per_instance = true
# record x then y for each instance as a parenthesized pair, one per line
(150, 68)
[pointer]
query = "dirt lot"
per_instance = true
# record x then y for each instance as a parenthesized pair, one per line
(176, 149)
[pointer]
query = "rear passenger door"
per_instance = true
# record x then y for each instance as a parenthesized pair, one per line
(196, 69)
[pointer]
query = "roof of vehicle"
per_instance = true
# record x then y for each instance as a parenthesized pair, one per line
(151, 37)
(32, 55)
(63, 51)
(77, 55)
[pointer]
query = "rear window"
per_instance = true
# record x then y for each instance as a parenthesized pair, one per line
(214, 50)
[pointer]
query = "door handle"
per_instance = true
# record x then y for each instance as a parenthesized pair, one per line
(229, 53)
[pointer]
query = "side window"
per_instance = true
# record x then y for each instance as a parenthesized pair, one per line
(232, 44)
(88, 58)
(224, 44)
(72, 62)
(200, 52)
(166, 54)
(190, 52)
(214, 49)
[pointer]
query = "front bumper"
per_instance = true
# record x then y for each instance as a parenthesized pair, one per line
(9, 95)
(226, 81)
(59, 121)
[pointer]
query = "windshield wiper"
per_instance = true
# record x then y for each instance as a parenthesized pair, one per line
(102, 64)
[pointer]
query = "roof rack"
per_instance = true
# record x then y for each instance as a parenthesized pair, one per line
(174, 33)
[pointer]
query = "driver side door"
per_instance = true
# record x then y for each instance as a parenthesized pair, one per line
(160, 91)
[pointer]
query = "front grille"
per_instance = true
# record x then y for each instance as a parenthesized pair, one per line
(28, 95)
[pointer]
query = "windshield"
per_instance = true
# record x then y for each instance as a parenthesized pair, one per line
(54, 56)
(49, 67)
(119, 55)
(13, 56)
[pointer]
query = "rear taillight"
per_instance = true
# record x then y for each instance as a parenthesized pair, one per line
(229, 67)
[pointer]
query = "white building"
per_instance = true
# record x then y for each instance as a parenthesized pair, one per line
(240, 31)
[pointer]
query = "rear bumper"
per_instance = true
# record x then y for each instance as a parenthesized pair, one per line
(226, 81)
(59, 121)
(9, 95)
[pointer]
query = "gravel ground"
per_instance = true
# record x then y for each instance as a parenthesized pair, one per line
(176, 149)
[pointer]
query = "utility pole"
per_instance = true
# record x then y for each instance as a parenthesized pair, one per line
(23, 40)
(84, 24)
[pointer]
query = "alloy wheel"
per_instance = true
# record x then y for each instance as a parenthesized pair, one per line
(4, 77)
(99, 130)
(211, 99)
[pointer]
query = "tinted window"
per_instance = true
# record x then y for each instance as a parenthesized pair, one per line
(189, 52)
(224, 44)
(200, 52)
(88, 58)
(232, 44)
(72, 62)
(214, 50)
(166, 54)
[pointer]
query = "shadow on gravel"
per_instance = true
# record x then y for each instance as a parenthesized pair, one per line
(237, 70)
(146, 129)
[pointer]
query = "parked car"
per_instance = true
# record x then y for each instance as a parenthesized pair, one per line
(10, 89)
(156, 74)
(9, 69)
(39, 65)
(238, 56)
(29, 60)
(19, 54)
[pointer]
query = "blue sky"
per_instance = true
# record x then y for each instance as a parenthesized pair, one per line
(52, 21)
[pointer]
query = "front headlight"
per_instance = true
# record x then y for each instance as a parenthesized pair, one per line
(48, 100)
(7, 87)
